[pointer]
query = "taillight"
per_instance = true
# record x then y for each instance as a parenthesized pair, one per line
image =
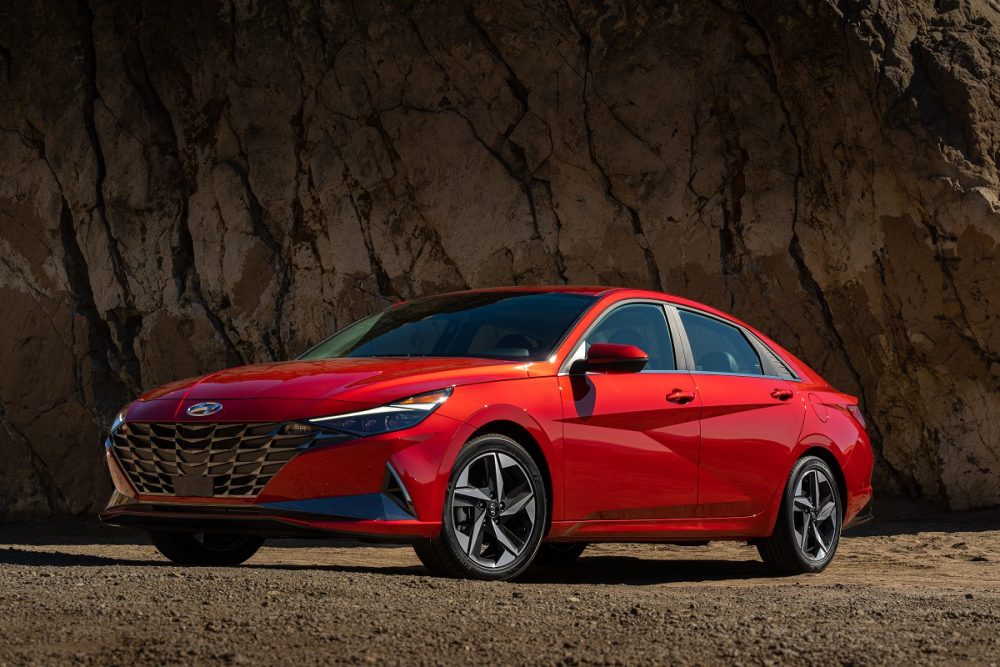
(856, 413)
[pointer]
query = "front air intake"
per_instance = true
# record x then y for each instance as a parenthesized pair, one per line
(394, 489)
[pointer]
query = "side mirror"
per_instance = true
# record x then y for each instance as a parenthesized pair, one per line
(615, 358)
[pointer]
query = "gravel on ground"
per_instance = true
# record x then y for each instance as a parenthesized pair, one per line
(913, 587)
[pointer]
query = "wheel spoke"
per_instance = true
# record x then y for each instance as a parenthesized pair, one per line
(802, 503)
(476, 536)
(826, 511)
(820, 542)
(815, 488)
(471, 496)
(515, 503)
(804, 535)
(497, 481)
(505, 539)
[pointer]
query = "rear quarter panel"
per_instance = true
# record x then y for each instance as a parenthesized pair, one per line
(829, 425)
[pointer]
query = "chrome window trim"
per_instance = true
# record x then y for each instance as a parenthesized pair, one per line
(743, 375)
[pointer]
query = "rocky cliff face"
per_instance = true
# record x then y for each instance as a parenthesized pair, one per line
(183, 188)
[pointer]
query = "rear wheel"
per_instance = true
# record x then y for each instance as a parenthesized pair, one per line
(807, 532)
(559, 553)
(208, 549)
(494, 513)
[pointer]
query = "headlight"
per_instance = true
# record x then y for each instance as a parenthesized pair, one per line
(385, 418)
(119, 420)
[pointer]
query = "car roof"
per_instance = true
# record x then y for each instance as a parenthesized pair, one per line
(593, 290)
(597, 291)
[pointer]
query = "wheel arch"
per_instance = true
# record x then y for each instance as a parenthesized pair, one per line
(828, 457)
(523, 437)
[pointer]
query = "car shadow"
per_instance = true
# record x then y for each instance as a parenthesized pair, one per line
(39, 558)
(32, 557)
(628, 570)
(409, 570)
(902, 516)
(594, 570)
(587, 570)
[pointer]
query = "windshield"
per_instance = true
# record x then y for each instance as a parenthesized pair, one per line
(491, 325)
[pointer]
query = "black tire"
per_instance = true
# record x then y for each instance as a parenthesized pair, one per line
(205, 549)
(559, 554)
(428, 558)
(444, 556)
(785, 552)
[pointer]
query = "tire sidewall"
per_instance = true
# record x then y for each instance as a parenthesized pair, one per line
(472, 450)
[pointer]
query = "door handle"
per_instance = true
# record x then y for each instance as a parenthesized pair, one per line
(781, 394)
(680, 396)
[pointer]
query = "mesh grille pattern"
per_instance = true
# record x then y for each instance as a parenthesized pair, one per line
(240, 459)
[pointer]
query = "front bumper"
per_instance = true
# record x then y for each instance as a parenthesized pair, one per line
(271, 521)
(389, 487)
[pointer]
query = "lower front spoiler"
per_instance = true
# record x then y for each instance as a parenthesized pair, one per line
(251, 520)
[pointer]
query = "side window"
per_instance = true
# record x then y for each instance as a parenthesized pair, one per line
(643, 325)
(718, 347)
(778, 367)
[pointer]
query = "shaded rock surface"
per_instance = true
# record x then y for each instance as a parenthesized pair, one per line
(188, 187)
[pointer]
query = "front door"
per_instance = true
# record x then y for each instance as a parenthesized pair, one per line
(631, 439)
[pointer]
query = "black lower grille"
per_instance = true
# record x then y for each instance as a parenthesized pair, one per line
(230, 460)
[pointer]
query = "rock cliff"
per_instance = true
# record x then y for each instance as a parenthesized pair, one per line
(185, 186)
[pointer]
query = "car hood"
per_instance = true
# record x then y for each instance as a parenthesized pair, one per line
(370, 381)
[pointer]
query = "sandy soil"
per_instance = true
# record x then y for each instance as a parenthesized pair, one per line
(914, 586)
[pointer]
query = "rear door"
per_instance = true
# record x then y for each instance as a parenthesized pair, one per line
(631, 439)
(751, 416)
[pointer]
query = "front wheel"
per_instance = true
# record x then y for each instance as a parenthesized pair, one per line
(494, 513)
(207, 549)
(808, 528)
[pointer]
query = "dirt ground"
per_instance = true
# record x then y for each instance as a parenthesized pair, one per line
(913, 587)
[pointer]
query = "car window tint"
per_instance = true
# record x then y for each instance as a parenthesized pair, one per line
(643, 325)
(718, 347)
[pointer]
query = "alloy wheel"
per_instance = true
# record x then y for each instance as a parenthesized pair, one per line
(815, 514)
(493, 509)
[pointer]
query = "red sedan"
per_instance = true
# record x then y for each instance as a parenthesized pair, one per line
(491, 428)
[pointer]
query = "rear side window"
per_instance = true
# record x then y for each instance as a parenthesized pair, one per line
(643, 325)
(718, 347)
(778, 367)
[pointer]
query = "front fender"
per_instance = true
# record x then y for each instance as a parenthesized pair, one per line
(502, 404)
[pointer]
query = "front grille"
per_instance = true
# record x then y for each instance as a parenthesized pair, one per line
(238, 459)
